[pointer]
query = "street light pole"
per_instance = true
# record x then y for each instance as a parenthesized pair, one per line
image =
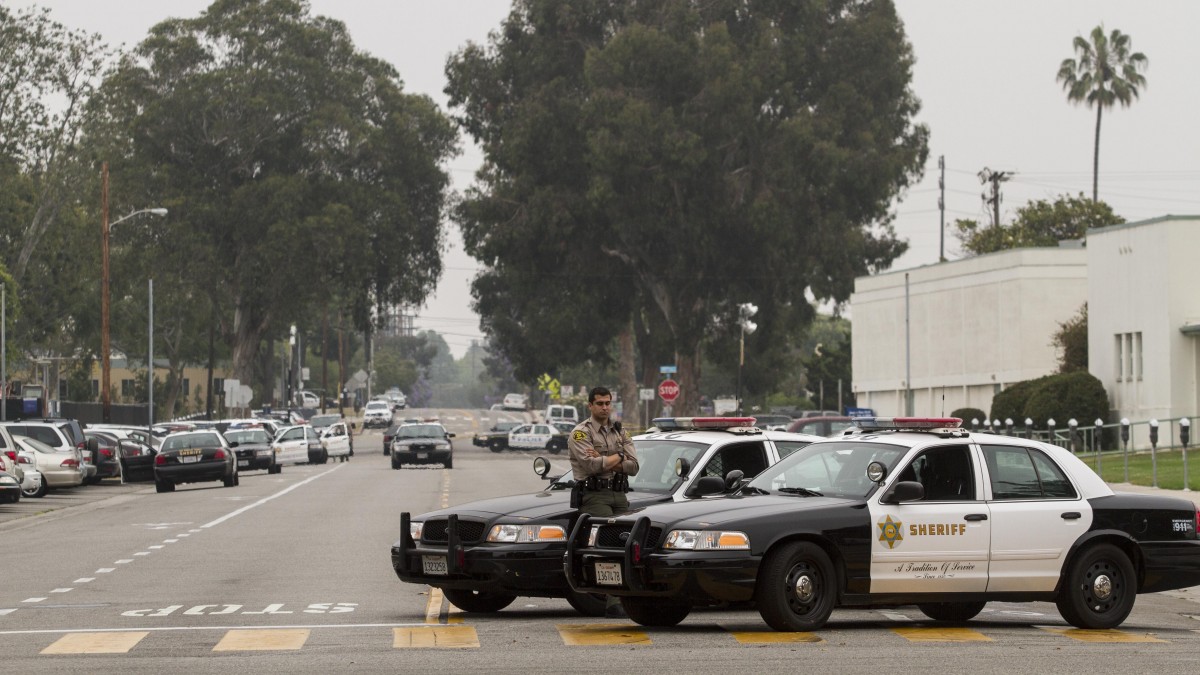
(105, 347)
(745, 311)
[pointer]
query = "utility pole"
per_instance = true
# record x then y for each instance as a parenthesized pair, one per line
(105, 400)
(995, 178)
(941, 211)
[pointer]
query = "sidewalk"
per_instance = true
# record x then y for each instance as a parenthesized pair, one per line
(1190, 495)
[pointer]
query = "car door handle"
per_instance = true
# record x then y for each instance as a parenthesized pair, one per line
(1071, 515)
(975, 516)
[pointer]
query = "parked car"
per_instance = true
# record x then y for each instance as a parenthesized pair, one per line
(540, 436)
(515, 402)
(822, 426)
(10, 488)
(335, 442)
(495, 438)
(253, 448)
(426, 442)
(193, 457)
(57, 434)
(377, 414)
(561, 413)
(398, 399)
(486, 553)
(104, 450)
(903, 511)
(136, 457)
(772, 422)
(60, 468)
(292, 444)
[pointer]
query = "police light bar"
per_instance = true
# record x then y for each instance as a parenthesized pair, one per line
(676, 423)
(903, 423)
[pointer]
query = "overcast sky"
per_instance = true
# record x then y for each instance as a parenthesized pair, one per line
(985, 74)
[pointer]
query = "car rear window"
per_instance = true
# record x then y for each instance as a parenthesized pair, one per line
(196, 440)
(44, 434)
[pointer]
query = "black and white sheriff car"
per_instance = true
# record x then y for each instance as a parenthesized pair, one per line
(484, 554)
(900, 511)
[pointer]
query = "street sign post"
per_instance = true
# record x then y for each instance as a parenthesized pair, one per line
(668, 391)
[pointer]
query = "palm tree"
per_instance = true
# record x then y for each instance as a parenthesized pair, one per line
(1104, 73)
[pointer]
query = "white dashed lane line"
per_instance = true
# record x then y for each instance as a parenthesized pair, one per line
(84, 580)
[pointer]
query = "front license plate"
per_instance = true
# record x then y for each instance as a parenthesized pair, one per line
(434, 564)
(608, 574)
(243, 462)
(190, 459)
(422, 455)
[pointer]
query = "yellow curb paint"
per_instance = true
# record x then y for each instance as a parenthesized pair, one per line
(919, 634)
(95, 643)
(433, 606)
(770, 637)
(271, 639)
(1109, 635)
(602, 634)
(435, 637)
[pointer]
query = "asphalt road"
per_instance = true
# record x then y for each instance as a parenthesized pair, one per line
(290, 573)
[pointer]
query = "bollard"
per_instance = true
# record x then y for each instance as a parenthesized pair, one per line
(1153, 454)
(1096, 444)
(1125, 443)
(1185, 433)
(1008, 424)
(1028, 427)
(974, 423)
(1073, 434)
(1050, 424)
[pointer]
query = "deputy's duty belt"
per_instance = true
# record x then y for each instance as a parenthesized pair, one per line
(618, 483)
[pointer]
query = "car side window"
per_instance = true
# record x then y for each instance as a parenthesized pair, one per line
(945, 473)
(785, 448)
(1025, 473)
(749, 458)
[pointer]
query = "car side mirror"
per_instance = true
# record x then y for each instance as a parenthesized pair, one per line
(904, 491)
(449, 435)
(705, 486)
(234, 444)
(733, 478)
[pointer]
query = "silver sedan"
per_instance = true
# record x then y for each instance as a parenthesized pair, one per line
(59, 468)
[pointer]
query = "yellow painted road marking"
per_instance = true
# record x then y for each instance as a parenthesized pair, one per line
(919, 634)
(602, 634)
(771, 637)
(433, 606)
(95, 643)
(262, 640)
(1110, 635)
(435, 637)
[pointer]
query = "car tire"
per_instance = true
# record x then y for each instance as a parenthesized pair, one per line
(553, 448)
(164, 486)
(1098, 589)
(38, 492)
(449, 463)
(395, 464)
(274, 468)
(496, 446)
(796, 588)
(480, 602)
(655, 611)
(324, 457)
(587, 604)
(386, 451)
(952, 612)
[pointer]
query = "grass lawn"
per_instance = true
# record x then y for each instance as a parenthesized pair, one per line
(1141, 467)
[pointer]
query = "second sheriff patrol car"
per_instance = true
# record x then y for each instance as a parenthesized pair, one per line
(484, 554)
(901, 511)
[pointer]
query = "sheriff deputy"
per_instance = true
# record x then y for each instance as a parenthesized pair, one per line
(602, 458)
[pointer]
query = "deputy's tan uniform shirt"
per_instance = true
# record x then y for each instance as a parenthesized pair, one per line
(605, 440)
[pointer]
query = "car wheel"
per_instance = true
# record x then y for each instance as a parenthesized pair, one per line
(274, 468)
(496, 446)
(164, 486)
(477, 601)
(955, 612)
(1098, 589)
(386, 451)
(395, 464)
(553, 448)
(587, 604)
(449, 463)
(655, 611)
(796, 587)
(38, 492)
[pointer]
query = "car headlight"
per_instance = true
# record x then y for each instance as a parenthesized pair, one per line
(442, 446)
(415, 528)
(593, 536)
(707, 540)
(8, 480)
(518, 534)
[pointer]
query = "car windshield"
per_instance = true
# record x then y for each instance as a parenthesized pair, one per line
(320, 421)
(248, 436)
(421, 431)
(206, 439)
(378, 405)
(835, 469)
(656, 461)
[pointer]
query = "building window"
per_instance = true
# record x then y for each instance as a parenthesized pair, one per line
(187, 387)
(1128, 356)
(127, 388)
(95, 388)
(218, 386)
(1137, 355)
(1118, 358)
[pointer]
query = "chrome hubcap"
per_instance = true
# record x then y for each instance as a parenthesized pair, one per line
(1102, 587)
(804, 587)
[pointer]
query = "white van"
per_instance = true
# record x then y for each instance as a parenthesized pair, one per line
(562, 413)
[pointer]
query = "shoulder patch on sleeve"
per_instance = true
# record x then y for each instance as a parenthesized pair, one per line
(579, 435)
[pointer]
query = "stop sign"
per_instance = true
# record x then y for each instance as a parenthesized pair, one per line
(668, 390)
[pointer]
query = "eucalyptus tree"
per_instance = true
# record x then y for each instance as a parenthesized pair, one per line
(680, 158)
(1104, 72)
(295, 167)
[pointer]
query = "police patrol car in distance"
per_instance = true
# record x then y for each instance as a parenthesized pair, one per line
(899, 511)
(484, 554)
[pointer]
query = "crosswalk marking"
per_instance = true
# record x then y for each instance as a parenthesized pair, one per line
(940, 634)
(262, 640)
(771, 637)
(95, 643)
(435, 637)
(602, 634)
(1110, 635)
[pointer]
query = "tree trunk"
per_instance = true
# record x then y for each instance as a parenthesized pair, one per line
(627, 378)
(247, 334)
(1096, 157)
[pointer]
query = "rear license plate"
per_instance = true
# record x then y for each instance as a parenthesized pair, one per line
(189, 459)
(243, 462)
(434, 564)
(608, 574)
(422, 455)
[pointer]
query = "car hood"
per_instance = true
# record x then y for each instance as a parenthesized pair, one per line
(419, 441)
(718, 511)
(545, 505)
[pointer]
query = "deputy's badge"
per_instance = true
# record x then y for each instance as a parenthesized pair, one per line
(579, 435)
(889, 532)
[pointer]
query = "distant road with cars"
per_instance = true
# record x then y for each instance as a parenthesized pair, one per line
(289, 572)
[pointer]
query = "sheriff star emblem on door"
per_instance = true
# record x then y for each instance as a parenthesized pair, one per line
(889, 532)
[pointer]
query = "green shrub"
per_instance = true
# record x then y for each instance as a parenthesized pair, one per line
(968, 414)
(1076, 395)
(1010, 403)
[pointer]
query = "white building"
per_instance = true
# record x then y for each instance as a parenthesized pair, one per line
(975, 325)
